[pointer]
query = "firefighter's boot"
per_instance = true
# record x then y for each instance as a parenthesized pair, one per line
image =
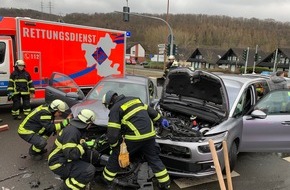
(111, 186)
(36, 156)
(164, 186)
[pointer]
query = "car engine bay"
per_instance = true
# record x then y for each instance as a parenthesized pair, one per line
(184, 128)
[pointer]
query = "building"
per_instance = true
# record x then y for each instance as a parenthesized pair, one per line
(232, 59)
(278, 59)
(205, 58)
(136, 53)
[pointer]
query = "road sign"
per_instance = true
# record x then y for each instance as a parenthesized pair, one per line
(161, 46)
(128, 34)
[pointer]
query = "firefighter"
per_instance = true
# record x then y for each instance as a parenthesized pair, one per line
(171, 59)
(20, 86)
(69, 148)
(131, 118)
(39, 125)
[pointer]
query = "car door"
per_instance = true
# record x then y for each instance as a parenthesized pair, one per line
(273, 132)
(64, 88)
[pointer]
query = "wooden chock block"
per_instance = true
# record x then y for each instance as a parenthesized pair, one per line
(4, 127)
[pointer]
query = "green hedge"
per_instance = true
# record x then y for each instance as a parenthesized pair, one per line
(258, 70)
(155, 65)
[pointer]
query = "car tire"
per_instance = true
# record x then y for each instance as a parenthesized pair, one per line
(233, 155)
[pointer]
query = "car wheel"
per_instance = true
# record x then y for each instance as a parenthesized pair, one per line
(233, 155)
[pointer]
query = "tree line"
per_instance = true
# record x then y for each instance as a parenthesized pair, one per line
(190, 30)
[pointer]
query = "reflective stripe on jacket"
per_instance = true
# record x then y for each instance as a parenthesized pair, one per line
(130, 115)
(66, 147)
(40, 121)
(20, 82)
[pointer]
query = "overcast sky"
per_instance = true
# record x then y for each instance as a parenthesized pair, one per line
(261, 9)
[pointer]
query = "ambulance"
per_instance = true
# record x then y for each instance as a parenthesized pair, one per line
(86, 54)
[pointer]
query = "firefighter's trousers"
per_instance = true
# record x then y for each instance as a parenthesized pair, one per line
(37, 142)
(17, 104)
(76, 174)
(149, 150)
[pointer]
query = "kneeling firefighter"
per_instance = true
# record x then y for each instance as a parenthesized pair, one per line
(131, 118)
(69, 148)
(39, 125)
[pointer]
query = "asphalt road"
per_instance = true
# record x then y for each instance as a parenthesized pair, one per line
(257, 171)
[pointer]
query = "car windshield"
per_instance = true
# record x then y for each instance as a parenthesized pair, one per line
(233, 89)
(128, 89)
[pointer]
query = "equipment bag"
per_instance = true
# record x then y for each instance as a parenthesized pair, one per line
(124, 159)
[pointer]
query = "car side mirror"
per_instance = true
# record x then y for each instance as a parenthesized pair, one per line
(73, 95)
(258, 114)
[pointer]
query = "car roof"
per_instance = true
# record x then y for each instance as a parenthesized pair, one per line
(135, 79)
(242, 79)
(257, 76)
(238, 81)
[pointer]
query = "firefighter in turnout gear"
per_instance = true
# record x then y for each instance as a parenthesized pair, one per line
(20, 86)
(171, 60)
(39, 125)
(69, 148)
(131, 118)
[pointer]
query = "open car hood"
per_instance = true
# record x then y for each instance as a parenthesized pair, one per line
(195, 87)
(100, 110)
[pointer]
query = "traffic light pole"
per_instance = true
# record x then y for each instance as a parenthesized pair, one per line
(157, 18)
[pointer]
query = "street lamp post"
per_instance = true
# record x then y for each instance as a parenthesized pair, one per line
(275, 60)
(246, 61)
(157, 18)
(256, 54)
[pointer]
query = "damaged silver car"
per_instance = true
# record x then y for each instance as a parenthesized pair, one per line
(200, 106)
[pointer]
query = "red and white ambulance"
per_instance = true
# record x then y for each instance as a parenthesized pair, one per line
(86, 54)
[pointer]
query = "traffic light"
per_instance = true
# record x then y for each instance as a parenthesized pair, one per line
(256, 57)
(168, 49)
(245, 52)
(174, 49)
(126, 10)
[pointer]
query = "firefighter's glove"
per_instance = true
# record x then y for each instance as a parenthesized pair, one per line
(10, 95)
(91, 143)
(64, 123)
(165, 123)
(84, 144)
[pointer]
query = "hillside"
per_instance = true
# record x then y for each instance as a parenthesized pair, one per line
(190, 30)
